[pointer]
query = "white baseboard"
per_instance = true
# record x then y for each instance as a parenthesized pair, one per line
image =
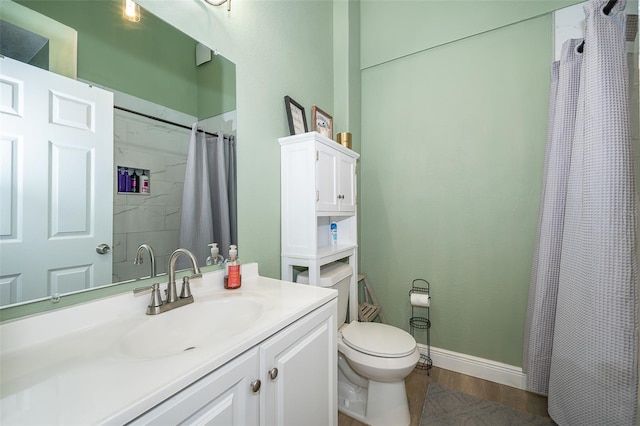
(470, 365)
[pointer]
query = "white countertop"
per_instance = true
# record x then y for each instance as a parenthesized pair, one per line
(70, 366)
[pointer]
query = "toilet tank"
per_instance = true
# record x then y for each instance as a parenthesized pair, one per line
(336, 275)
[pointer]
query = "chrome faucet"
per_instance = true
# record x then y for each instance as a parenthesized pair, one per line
(156, 304)
(139, 260)
(172, 295)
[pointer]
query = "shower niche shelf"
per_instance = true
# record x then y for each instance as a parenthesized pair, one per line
(125, 177)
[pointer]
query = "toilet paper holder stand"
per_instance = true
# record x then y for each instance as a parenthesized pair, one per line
(420, 321)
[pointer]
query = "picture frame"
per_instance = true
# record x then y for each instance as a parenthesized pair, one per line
(322, 122)
(296, 116)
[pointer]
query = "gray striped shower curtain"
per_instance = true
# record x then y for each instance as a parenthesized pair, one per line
(209, 200)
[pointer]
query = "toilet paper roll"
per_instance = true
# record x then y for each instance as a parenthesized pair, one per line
(420, 299)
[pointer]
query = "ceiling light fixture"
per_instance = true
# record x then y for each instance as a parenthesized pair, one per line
(131, 11)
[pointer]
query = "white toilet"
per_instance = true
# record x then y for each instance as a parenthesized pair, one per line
(373, 359)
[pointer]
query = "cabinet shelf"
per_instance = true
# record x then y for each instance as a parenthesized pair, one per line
(331, 250)
(323, 251)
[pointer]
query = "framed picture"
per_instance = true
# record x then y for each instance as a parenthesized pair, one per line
(296, 116)
(322, 122)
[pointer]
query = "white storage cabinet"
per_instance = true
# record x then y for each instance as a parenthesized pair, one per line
(288, 379)
(318, 186)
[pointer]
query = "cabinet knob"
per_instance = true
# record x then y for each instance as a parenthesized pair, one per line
(255, 386)
(273, 373)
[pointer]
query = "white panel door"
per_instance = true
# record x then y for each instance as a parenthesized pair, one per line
(327, 179)
(56, 167)
(299, 372)
(223, 398)
(347, 184)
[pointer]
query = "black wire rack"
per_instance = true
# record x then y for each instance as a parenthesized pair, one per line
(421, 322)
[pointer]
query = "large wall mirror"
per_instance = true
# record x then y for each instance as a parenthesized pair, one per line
(162, 83)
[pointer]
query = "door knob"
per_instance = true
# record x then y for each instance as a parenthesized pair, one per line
(255, 386)
(103, 248)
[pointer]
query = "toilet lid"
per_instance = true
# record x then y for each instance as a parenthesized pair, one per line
(378, 339)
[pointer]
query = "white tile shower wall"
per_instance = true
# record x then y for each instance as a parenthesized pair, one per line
(155, 218)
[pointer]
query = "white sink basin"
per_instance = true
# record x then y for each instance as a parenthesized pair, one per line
(191, 327)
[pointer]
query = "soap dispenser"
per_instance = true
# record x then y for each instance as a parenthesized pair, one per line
(214, 259)
(232, 277)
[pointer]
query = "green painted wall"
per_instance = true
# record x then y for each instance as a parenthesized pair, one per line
(395, 28)
(452, 153)
(148, 59)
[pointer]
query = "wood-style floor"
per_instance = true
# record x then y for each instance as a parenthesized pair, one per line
(418, 381)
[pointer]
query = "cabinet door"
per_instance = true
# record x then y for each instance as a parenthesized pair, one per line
(223, 397)
(347, 183)
(327, 179)
(303, 390)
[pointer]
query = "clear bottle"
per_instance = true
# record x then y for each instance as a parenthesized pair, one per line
(213, 259)
(232, 277)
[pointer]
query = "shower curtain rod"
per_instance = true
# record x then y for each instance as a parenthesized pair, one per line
(607, 11)
(162, 120)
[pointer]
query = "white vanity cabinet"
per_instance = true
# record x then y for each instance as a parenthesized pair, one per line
(288, 379)
(318, 187)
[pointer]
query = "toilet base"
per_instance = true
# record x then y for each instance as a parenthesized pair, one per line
(381, 404)
(387, 404)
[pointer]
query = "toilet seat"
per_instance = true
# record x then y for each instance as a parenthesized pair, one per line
(378, 339)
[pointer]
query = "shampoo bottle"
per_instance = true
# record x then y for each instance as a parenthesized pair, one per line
(232, 277)
(127, 180)
(213, 259)
(121, 179)
(144, 183)
(134, 182)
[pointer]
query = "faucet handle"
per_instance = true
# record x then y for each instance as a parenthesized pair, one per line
(141, 289)
(156, 296)
(186, 288)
